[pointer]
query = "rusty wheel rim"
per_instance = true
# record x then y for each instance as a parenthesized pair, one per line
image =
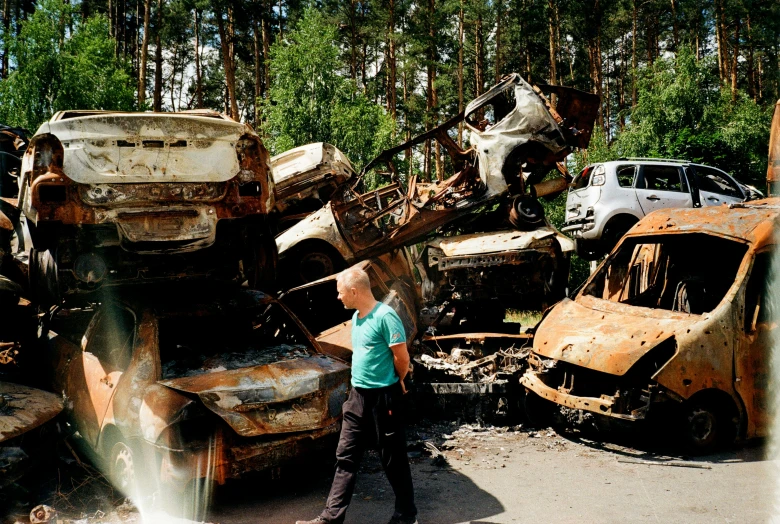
(123, 467)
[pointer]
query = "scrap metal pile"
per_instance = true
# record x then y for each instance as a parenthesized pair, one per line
(133, 243)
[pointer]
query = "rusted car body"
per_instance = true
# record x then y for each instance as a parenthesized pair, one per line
(197, 385)
(516, 139)
(317, 306)
(469, 280)
(23, 411)
(106, 193)
(305, 178)
(660, 325)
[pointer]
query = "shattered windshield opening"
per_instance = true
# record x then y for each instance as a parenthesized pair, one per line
(660, 272)
(193, 345)
(493, 111)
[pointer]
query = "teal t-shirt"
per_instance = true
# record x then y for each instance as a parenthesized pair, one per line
(372, 336)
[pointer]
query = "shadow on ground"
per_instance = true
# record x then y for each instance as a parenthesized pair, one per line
(444, 496)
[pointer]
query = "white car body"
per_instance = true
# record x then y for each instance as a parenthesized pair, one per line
(606, 199)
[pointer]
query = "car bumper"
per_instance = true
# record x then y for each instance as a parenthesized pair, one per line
(581, 228)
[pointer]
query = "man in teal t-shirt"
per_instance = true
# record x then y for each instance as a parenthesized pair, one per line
(380, 361)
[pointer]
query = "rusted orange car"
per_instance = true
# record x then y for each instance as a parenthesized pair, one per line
(680, 315)
(181, 389)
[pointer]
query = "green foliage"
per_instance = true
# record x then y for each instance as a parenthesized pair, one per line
(683, 112)
(58, 69)
(312, 101)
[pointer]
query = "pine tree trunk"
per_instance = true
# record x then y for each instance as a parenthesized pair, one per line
(6, 35)
(720, 40)
(391, 63)
(633, 57)
(158, 60)
(499, 16)
(226, 37)
(675, 26)
(173, 80)
(198, 76)
(353, 42)
(144, 52)
(267, 53)
(460, 72)
(256, 49)
(734, 60)
(553, 52)
(479, 52)
(751, 70)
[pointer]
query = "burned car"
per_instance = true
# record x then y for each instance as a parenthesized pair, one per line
(317, 306)
(107, 194)
(184, 389)
(660, 332)
(305, 178)
(470, 280)
(516, 137)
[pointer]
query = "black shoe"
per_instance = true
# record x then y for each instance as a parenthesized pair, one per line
(397, 518)
(317, 520)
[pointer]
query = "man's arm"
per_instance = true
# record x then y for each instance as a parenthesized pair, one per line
(401, 361)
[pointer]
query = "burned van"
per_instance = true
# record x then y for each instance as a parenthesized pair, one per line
(678, 316)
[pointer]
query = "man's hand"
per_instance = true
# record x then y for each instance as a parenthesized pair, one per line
(401, 362)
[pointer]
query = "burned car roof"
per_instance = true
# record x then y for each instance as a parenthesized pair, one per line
(750, 221)
(157, 147)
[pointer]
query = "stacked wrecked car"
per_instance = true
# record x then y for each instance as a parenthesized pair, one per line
(150, 254)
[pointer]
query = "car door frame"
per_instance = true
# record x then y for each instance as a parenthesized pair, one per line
(665, 200)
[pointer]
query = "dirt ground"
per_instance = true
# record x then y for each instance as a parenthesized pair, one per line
(492, 475)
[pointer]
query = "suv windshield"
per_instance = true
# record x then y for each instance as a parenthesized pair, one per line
(659, 272)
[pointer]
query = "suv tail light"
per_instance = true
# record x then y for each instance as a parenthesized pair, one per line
(598, 179)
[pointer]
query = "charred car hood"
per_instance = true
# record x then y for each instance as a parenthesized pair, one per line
(485, 243)
(292, 395)
(603, 339)
(24, 408)
(147, 147)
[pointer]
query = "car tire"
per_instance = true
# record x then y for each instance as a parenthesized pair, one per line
(588, 250)
(613, 232)
(705, 426)
(526, 214)
(124, 469)
(310, 263)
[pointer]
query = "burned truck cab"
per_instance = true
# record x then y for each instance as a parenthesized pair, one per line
(678, 316)
(113, 197)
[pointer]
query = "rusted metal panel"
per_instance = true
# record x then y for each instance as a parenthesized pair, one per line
(773, 167)
(276, 398)
(23, 408)
(603, 336)
(745, 221)
(497, 242)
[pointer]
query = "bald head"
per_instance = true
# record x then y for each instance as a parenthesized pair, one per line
(354, 277)
(354, 288)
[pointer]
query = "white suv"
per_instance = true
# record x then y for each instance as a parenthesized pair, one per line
(605, 200)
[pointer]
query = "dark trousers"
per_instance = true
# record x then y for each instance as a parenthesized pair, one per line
(372, 417)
